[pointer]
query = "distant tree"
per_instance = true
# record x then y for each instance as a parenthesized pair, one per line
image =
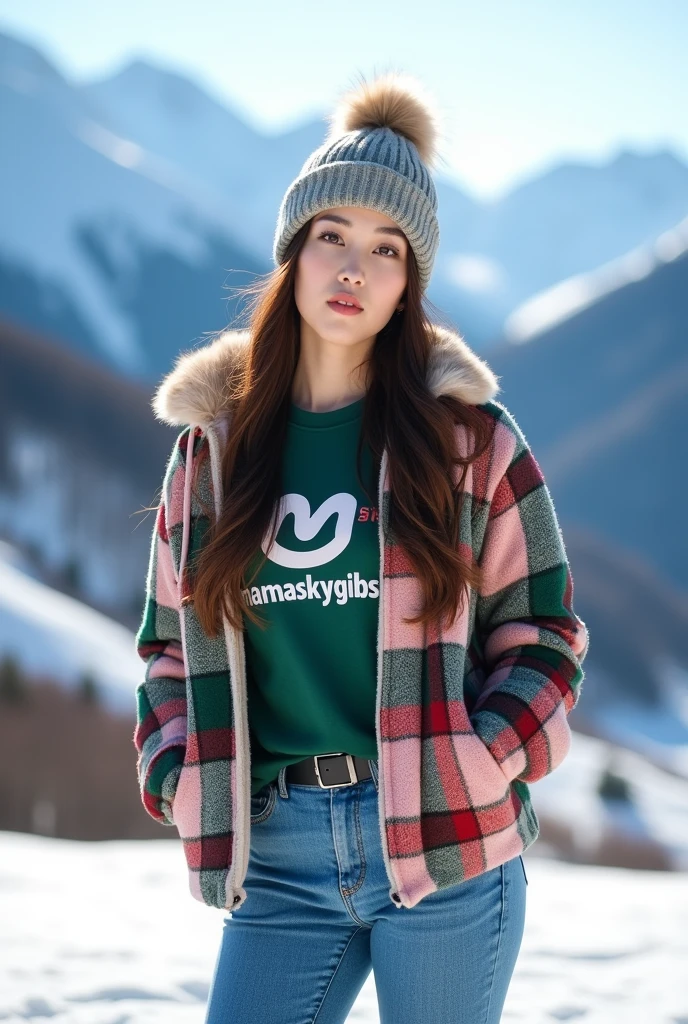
(614, 787)
(87, 689)
(72, 575)
(13, 686)
(34, 553)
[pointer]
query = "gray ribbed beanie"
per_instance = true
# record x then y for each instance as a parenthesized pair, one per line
(378, 153)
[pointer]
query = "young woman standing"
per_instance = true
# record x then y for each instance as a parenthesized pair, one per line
(359, 633)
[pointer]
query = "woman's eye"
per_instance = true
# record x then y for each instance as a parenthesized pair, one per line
(333, 234)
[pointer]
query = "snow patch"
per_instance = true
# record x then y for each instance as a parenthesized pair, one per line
(554, 305)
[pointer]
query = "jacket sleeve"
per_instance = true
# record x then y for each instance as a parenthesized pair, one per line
(533, 643)
(161, 708)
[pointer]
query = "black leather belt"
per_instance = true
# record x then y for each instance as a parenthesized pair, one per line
(329, 770)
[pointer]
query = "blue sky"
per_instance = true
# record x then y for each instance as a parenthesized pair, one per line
(521, 85)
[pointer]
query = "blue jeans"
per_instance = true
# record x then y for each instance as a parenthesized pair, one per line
(317, 918)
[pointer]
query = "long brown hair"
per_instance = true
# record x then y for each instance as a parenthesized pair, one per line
(399, 412)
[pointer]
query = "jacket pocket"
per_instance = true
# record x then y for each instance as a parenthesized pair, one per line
(484, 778)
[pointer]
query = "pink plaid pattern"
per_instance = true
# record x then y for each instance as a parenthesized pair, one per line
(466, 716)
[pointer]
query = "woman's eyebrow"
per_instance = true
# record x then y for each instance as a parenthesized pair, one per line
(336, 219)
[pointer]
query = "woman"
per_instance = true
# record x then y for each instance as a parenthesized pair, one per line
(359, 632)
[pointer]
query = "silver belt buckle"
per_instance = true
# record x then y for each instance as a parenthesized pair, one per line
(352, 770)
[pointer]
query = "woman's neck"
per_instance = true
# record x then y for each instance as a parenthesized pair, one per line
(327, 376)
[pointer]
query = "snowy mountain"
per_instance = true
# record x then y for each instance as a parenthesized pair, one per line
(596, 374)
(103, 244)
(167, 114)
(546, 309)
(599, 384)
(51, 635)
(126, 202)
(636, 685)
(492, 255)
(81, 464)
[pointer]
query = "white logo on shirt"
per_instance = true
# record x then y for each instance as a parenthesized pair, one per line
(307, 526)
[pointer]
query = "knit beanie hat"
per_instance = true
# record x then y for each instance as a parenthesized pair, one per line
(381, 144)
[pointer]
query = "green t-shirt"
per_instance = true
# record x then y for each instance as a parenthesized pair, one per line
(311, 675)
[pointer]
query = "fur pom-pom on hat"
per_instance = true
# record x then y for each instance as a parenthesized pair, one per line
(394, 100)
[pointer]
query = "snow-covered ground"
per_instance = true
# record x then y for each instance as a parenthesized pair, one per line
(108, 933)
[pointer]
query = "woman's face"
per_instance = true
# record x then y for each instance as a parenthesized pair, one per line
(361, 253)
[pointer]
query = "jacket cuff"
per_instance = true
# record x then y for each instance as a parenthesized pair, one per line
(169, 788)
(161, 781)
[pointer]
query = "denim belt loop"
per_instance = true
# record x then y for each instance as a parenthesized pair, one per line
(372, 764)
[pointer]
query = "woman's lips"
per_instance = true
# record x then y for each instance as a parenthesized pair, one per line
(338, 307)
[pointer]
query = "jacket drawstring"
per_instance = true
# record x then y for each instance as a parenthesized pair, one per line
(186, 508)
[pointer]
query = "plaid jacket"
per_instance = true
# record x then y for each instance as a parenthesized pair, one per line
(466, 717)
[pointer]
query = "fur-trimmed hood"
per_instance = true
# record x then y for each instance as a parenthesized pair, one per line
(196, 389)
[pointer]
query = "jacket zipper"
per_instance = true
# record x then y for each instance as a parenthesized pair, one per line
(394, 891)
(235, 646)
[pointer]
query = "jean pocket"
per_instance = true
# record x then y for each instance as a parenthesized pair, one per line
(263, 803)
(524, 868)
